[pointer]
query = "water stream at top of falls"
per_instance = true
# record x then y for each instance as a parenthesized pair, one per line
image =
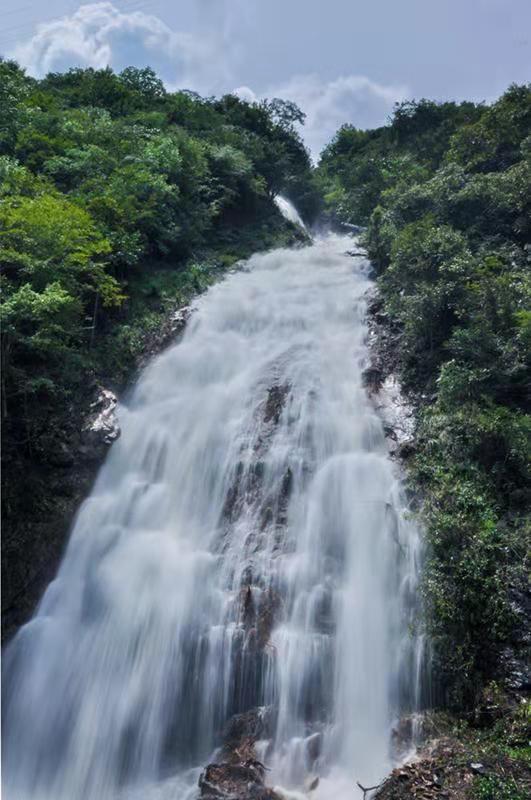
(245, 546)
(289, 211)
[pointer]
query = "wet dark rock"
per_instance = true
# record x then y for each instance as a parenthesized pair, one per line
(267, 517)
(267, 615)
(276, 398)
(230, 505)
(250, 725)
(243, 781)
(381, 380)
(259, 614)
(65, 466)
(517, 669)
(167, 333)
(389, 431)
(239, 775)
(406, 450)
(373, 377)
(248, 606)
(409, 731)
(247, 487)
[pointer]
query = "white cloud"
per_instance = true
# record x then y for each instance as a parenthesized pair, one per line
(353, 98)
(99, 35)
(246, 93)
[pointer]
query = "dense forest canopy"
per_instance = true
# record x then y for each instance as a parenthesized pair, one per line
(119, 201)
(445, 190)
(103, 175)
(101, 172)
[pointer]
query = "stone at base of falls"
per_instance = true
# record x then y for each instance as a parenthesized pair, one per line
(244, 781)
(239, 775)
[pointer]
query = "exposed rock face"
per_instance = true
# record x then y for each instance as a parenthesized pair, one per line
(250, 726)
(61, 477)
(399, 414)
(516, 658)
(381, 381)
(101, 427)
(276, 398)
(31, 551)
(167, 333)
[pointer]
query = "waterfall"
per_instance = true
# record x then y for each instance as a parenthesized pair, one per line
(245, 549)
(288, 210)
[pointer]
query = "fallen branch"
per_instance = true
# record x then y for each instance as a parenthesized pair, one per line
(368, 788)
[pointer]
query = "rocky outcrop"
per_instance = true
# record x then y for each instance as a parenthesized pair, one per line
(100, 428)
(450, 767)
(243, 781)
(63, 471)
(58, 477)
(169, 331)
(239, 775)
(381, 380)
(274, 404)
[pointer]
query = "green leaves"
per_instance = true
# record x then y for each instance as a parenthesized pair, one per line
(41, 320)
(46, 238)
(446, 191)
(107, 180)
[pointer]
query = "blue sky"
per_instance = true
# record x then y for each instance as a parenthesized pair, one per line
(341, 60)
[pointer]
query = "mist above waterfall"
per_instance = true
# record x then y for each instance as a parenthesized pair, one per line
(244, 549)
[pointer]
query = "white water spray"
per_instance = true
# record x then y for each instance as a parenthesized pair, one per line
(245, 546)
(288, 210)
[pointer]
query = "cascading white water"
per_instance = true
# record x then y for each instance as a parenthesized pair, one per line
(288, 210)
(244, 546)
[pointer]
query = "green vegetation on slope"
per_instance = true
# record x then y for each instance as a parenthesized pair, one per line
(445, 191)
(118, 202)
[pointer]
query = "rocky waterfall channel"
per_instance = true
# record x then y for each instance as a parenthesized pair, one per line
(233, 614)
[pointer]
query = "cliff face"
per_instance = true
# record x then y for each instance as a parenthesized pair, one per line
(53, 486)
